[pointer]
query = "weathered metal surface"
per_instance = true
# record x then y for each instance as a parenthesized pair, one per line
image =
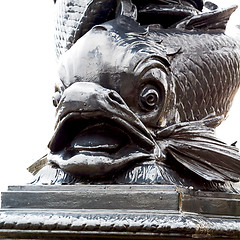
(104, 225)
(129, 221)
(132, 197)
(84, 197)
(207, 203)
(142, 86)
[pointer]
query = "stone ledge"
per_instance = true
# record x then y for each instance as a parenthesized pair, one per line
(118, 212)
(109, 224)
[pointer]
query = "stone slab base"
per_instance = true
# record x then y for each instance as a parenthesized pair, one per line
(118, 212)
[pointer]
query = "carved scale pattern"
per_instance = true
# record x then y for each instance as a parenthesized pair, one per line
(209, 86)
(74, 18)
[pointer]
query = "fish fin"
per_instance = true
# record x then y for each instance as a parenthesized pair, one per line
(194, 146)
(214, 20)
(205, 125)
(38, 165)
(209, 160)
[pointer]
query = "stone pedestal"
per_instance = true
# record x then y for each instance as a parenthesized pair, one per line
(118, 212)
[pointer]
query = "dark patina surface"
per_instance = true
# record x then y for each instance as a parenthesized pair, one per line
(142, 86)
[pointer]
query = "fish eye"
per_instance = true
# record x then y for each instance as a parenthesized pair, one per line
(56, 98)
(59, 89)
(149, 97)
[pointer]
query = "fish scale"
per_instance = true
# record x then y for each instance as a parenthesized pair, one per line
(204, 71)
(74, 18)
(66, 21)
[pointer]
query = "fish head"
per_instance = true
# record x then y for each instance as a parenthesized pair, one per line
(115, 89)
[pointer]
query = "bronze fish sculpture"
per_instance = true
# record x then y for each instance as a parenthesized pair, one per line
(138, 99)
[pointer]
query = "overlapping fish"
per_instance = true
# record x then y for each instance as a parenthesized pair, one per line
(143, 84)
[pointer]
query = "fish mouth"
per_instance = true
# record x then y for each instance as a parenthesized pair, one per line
(75, 133)
(86, 146)
(80, 131)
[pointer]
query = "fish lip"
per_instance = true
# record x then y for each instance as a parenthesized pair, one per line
(61, 140)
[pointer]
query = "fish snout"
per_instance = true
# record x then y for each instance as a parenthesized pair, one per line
(87, 97)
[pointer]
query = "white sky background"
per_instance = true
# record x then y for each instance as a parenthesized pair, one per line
(28, 71)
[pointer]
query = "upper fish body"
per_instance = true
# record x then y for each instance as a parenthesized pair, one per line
(206, 73)
(139, 103)
(204, 68)
(75, 18)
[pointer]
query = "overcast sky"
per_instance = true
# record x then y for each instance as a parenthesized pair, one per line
(28, 71)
